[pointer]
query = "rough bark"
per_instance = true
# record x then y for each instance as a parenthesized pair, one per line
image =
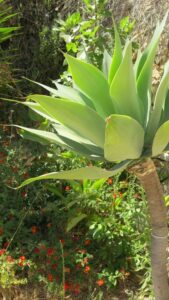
(147, 174)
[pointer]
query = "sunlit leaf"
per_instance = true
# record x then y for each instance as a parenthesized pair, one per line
(124, 138)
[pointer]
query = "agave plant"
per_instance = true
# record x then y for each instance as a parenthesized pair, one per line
(111, 115)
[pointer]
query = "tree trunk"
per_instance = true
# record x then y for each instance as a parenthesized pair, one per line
(147, 174)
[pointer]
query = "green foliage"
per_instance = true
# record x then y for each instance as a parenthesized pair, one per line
(111, 114)
(105, 248)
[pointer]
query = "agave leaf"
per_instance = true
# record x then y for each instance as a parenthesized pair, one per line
(161, 139)
(158, 103)
(124, 138)
(81, 119)
(106, 63)
(46, 138)
(123, 88)
(145, 66)
(68, 92)
(34, 106)
(67, 133)
(117, 56)
(165, 110)
(53, 91)
(92, 83)
(41, 136)
(80, 174)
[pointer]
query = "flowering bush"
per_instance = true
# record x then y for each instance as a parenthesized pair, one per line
(100, 251)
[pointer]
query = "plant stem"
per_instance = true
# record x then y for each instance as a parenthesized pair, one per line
(147, 174)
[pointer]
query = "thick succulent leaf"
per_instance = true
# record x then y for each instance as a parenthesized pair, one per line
(51, 90)
(46, 138)
(92, 83)
(67, 133)
(123, 88)
(165, 110)
(161, 139)
(68, 92)
(34, 106)
(41, 136)
(124, 138)
(145, 66)
(158, 103)
(91, 173)
(106, 63)
(117, 56)
(80, 118)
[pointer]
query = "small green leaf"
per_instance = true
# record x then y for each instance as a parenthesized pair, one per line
(124, 138)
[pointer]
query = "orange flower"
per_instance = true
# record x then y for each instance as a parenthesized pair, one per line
(67, 188)
(2, 251)
(22, 258)
(86, 260)
(34, 229)
(50, 277)
(87, 242)
(100, 282)
(86, 269)
(109, 181)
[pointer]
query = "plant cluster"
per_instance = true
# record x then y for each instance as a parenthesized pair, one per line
(103, 225)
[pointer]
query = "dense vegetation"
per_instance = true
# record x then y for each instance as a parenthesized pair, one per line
(90, 239)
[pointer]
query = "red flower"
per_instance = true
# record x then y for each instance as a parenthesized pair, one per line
(67, 286)
(62, 241)
(1, 231)
(50, 251)
(86, 269)
(2, 251)
(22, 258)
(2, 161)
(50, 277)
(36, 250)
(24, 194)
(6, 245)
(76, 289)
(67, 188)
(87, 242)
(54, 266)
(114, 195)
(100, 282)
(110, 181)
(34, 229)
